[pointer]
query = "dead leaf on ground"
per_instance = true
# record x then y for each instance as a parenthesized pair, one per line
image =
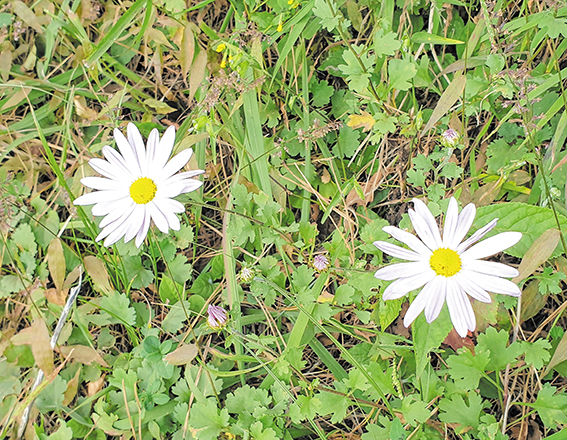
(55, 296)
(184, 354)
(72, 387)
(368, 190)
(38, 338)
(96, 386)
(83, 354)
(364, 121)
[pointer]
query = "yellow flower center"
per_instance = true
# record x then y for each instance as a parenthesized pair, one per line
(143, 190)
(445, 262)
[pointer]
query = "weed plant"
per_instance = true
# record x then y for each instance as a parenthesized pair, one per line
(316, 122)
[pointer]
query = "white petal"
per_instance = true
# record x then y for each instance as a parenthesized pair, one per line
(186, 175)
(437, 298)
(460, 309)
(402, 286)
(114, 172)
(170, 204)
(493, 284)
(98, 196)
(400, 270)
(192, 185)
(116, 235)
(104, 208)
(165, 147)
(466, 280)
(409, 239)
(137, 143)
(120, 213)
(151, 147)
(127, 152)
(476, 236)
(170, 191)
(492, 245)
(135, 222)
(397, 251)
(166, 209)
(424, 212)
(450, 223)
(120, 167)
(422, 229)
(101, 183)
(158, 218)
(143, 230)
(490, 268)
(174, 165)
(432, 292)
(464, 223)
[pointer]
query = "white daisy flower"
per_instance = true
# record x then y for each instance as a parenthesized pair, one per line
(139, 184)
(447, 267)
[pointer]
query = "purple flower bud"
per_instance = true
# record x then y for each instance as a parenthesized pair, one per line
(217, 317)
(320, 263)
(450, 138)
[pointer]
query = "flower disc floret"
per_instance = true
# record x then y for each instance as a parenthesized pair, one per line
(143, 190)
(138, 186)
(445, 262)
(447, 268)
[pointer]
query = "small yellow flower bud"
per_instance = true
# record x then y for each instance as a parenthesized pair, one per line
(221, 47)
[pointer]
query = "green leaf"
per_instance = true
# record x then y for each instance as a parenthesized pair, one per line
(322, 93)
(389, 311)
(530, 220)
(51, 397)
(343, 294)
(347, 143)
(357, 78)
(537, 353)
(304, 408)
(415, 411)
(63, 433)
(302, 277)
(136, 272)
(117, 306)
(400, 72)
(259, 433)
(427, 337)
(247, 400)
(451, 171)
(328, 20)
(496, 343)
(466, 369)
(385, 44)
(207, 419)
(335, 404)
(427, 38)
(550, 282)
(551, 406)
(456, 410)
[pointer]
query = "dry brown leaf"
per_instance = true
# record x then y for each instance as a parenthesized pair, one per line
(532, 300)
(559, 356)
(368, 190)
(56, 263)
(97, 271)
(55, 296)
(187, 50)
(198, 70)
(96, 386)
(184, 354)
(38, 338)
(72, 387)
(538, 253)
(83, 354)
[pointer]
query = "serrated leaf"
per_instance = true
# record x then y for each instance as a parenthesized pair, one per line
(456, 410)
(207, 420)
(386, 44)
(466, 369)
(530, 220)
(496, 342)
(551, 407)
(400, 72)
(537, 353)
(117, 306)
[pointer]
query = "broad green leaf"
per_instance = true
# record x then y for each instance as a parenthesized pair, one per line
(117, 306)
(466, 369)
(537, 353)
(456, 410)
(427, 337)
(496, 342)
(427, 38)
(400, 73)
(207, 420)
(551, 407)
(532, 221)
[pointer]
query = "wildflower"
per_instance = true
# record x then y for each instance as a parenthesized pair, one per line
(139, 184)
(450, 138)
(217, 317)
(246, 275)
(320, 263)
(221, 47)
(447, 267)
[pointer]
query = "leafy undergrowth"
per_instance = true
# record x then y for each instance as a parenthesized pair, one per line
(317, 122)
